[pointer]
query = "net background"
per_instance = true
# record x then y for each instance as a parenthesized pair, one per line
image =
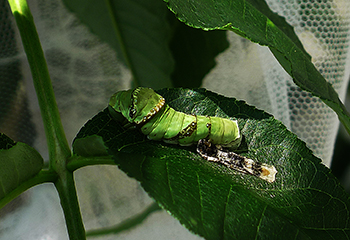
(86, 71)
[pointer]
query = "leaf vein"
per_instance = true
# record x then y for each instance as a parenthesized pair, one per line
(258, 226)
(168, 182)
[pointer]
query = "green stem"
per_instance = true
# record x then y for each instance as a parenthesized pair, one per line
(127, 224)
(59, 151)
(57, 142)
(69, 201)
(79, 161)
(42, 177)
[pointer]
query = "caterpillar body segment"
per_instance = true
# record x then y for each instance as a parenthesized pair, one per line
(156, 119)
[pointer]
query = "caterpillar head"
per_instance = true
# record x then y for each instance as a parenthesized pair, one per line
(137, 105)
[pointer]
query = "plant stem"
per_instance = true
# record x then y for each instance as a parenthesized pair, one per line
(77, 162)
(57, 142)
(59, 151)
(127, 224)
(41, 177)
(67, 192)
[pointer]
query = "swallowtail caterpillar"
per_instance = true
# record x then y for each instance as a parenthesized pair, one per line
(149, 111)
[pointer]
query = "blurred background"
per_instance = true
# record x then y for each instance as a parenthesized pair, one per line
(87, 65)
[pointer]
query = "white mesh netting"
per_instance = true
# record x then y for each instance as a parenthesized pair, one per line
(86, 71)
(323, 27)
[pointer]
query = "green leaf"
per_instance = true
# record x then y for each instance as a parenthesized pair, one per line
(18, 163)
(194, 52)
(305, 202)
(250, 20)
(280, 22)
(90, 146)
(137, 30)
(6, 142)
(90, 150)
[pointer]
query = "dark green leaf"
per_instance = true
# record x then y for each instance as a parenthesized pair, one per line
(305, 202)
(6, 142)
(18, 163)
(90, 146)
(137, 30)
(250, 20)
(194, 52)
(280, 22)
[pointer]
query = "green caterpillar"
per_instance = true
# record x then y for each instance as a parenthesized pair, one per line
(148, 110)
